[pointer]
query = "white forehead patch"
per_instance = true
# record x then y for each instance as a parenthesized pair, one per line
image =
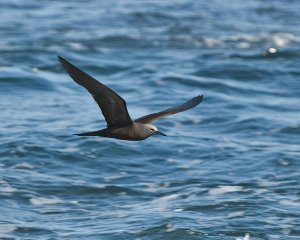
(155, 128)
(151, 126)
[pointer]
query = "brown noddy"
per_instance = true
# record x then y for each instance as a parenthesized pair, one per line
(113, 107)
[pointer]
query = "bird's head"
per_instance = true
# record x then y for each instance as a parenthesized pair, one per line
(152, 130)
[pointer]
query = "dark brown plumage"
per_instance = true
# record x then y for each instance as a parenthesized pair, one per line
(114, 109)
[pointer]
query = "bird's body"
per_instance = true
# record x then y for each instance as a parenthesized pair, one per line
(114, 109)
(133, 132)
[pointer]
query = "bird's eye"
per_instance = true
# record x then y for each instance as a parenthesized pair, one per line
(151, 129)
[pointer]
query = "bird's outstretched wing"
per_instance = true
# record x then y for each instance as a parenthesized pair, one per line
(183, 107)
(111, 104)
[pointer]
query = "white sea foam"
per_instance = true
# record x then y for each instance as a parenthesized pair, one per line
(2, 181)
(35, 70)
(114, 177)
(283, 39)
(170, 228)
(268, 183)
(224, 189)
(7, 228)
(23, 166)
(244, 45)
(76, 46)
(245, 41)
(8, 189)
(290, 203)
(236, 214)
(286, 230)
(212, 42)
(45, 201)
(246, 237)
(178, 210)
(49, 201)
(161, 204)
(168, 197)
(284, 162)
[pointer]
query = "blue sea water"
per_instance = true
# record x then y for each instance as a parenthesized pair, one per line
(229, 168)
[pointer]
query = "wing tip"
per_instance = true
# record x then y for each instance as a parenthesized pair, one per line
(69, 67)
(199, 98)
(61, 59)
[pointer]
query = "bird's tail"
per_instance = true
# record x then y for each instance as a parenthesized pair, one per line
(94, 133)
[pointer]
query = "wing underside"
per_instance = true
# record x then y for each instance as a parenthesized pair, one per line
(170, 111)
(113, 107)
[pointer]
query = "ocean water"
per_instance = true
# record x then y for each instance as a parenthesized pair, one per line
(229, 168)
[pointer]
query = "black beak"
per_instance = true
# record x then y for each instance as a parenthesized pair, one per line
(160, 133)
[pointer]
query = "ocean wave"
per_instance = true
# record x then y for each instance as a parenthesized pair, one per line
(14, 79)
(49, 201)
(293, 130)
(6, 188)
(187, 41)
(225, 189)
(103, 189)
(7, 228)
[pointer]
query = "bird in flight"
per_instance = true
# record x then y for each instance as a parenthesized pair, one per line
(113, 107)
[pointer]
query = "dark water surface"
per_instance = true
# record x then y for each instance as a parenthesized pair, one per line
(229, 168)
